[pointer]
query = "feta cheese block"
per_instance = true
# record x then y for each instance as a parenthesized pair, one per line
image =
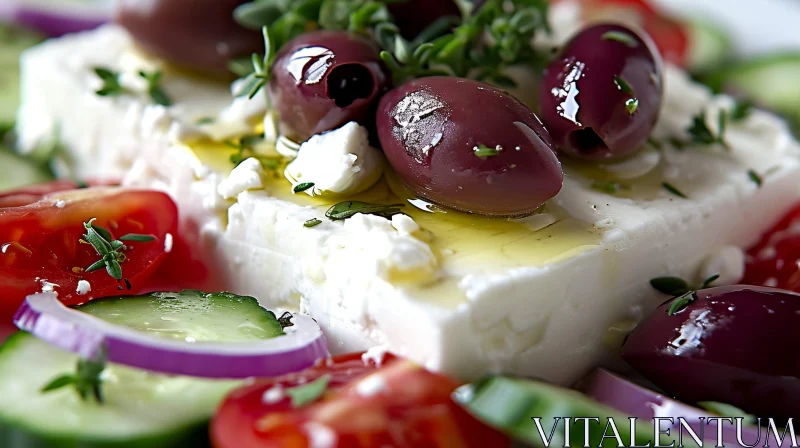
(550, 296)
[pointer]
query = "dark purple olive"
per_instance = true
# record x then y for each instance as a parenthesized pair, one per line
(413, 16)
(738, 345)
(601, 97)
(325, 79)
(469, 146)
(201, 36)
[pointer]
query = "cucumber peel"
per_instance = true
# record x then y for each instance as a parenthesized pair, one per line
(511, 404)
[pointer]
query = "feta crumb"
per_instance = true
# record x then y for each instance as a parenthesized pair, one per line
(320, 435)
(371, 385)
(771, 282)
(404, 224)
(247, 176)
(61, 204)
(727, 262)
(168, 243)
(604, 224)
(273, 395)
(375, 355)
(84, 287)
(47, 286)
(337, 162)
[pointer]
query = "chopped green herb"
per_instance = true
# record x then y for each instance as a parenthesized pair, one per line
(81, 184)
(245, 149)
(755, 178)
(312, 222)
(741, 110)
(155, 89)
(308, 393)
(484, 151)
(262, 67)
(204, 121)
(707, 282)
(673, 286)
(286, 320)
(672, 189)
(621, 36)
(606, 186)
(631, 105)
(623, 86)
(111, 85)
(701, 134)
(727, 410)
(138, 238)
(677, 144)
(110, 250)
(680, 303)
(87, 379)
(345, 210)
(299, 188)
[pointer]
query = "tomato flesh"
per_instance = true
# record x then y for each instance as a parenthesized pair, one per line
(40, 243)
(398, 405)
(773, 261)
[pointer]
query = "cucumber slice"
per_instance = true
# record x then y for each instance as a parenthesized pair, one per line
(16, 172)
(510, 404)
(141, 409)
(190, 315)
(710, 47)
(13, 41)
(768, 80)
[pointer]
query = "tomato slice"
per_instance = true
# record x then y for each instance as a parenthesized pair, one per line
(40, 243)
(399, 405)
(670, 36)
(774, 260)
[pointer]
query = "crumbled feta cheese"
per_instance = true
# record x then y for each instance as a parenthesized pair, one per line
(84, 287)
(375, 355)
(320, 436)
(771, 282)
(247, 176)
(727, 262)
(168, 243)
(603, 224)
(337, 162)
(61, 204)
(371, 385)
(274, 394)
(404, 224)
(47, 286)
(635, 166)
(380, 250)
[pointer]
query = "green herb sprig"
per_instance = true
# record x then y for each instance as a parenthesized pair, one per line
(155, 89)
(701, 134)
(111, 251)
(111, 85)
(481, 45)
(348, 209)
(244, 147)
(87, 379)
(680, 289)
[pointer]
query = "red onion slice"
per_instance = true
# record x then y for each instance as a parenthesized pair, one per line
(637, 401)
(44, 316)
(57, 18)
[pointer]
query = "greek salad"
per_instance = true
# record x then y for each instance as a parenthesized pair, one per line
(394, 223)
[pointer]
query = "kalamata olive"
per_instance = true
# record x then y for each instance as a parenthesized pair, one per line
(469, 146)
(413, 16)
(601, 97)
(738, 345)
(202, 36)
(324, 79)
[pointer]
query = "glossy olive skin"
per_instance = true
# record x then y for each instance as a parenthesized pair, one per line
(429, 129)
(735, 344)
(198, 35)
(325, 79)
(584, 106)
(413, 16)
